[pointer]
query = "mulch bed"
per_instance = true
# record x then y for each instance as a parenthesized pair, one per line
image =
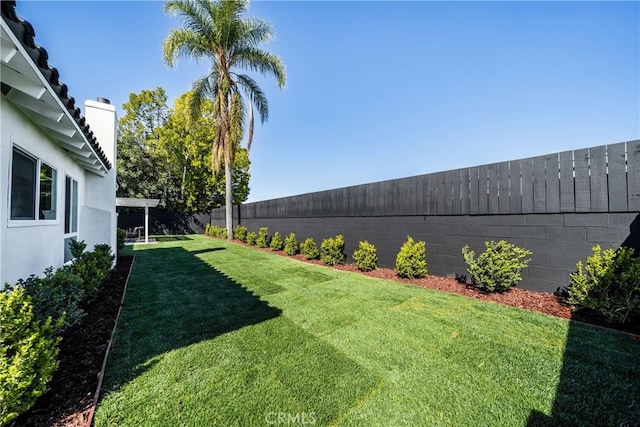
(515, 297)
(70, 400)
(73, 386)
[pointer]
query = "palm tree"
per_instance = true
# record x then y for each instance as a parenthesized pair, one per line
(215, 30)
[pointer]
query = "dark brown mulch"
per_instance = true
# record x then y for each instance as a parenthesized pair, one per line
(73, 386)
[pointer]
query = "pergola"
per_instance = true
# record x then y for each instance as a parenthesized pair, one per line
(139, 203)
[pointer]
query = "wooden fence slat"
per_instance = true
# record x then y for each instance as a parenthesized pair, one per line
(440, 206)
(456, 206)
(483, 196)
(515, 202)
(414, 198)
(503, 188)
(474, 190)
(424, 189)
(582, 188)
(552, 180)
(431, 195)
(492, 181)
(448, 192)
(539, 189)
(598, 167)
(527, 185)
(633, 175)
(464, 191)
(567, 199)
(617, 177)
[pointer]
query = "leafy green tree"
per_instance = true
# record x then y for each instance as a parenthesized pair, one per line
(184, 145)
(140, 172)
(216, 31)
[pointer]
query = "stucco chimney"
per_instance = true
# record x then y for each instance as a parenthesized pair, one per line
(101, 118)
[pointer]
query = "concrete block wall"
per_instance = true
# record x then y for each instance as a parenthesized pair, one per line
(558, 206)
(557, 241)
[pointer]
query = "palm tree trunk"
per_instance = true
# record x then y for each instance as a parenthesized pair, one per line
(228, 176)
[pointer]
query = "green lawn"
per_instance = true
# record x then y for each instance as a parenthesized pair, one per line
(214, 333)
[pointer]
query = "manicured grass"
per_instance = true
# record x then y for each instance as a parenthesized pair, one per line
(214, 333)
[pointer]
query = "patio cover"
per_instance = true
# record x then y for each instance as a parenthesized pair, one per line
(139, 203)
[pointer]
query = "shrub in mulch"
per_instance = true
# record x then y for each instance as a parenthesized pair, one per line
(70, 397)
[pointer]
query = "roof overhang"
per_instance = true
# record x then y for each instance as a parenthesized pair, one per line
(24, 85)
(136, 203)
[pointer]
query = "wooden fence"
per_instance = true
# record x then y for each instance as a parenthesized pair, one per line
(598, 179)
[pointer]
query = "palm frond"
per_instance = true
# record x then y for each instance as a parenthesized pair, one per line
(236, 124)
(250, 131)
(255, 94)
(255, 32)
(203, 89)
(193, 16)
(261, 61)
(183, 43)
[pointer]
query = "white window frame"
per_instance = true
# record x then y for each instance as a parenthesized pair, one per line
(73, 214)
(37, 221)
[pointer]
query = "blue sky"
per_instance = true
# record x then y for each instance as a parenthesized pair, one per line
(382, 90)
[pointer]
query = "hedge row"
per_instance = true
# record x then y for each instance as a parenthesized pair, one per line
(33, 315)
(609, 285)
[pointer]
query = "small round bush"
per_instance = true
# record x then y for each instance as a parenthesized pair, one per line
(498, 268)
(263, 237)
(240, 233)
(27, 354)
(411, 261)
(366, 257)
(291, 245)
(58, 296)
(252, 236)
(332, 251)
(609, 284)
(276, 243)
(309, 249)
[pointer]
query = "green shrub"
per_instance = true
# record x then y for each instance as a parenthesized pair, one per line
(276, 243)
(411, 261)
(610, 285)
(240, 233)
(216, 231)
(366, 257)
(28, 351)
(291, 245)
(121, 237)
(207, 230)
(498, 268)
(252, 236)
(263, 237)
(332, 251)
(56, 295)
(309, 249)
(93, 266)
(598, 265)
(77, 247)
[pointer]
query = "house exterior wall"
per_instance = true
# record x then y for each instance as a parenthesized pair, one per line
(99, 219)
(28, 247)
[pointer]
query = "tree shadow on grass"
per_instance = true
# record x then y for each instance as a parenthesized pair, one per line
(599, 383)
(171, 238)
(174, 300)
